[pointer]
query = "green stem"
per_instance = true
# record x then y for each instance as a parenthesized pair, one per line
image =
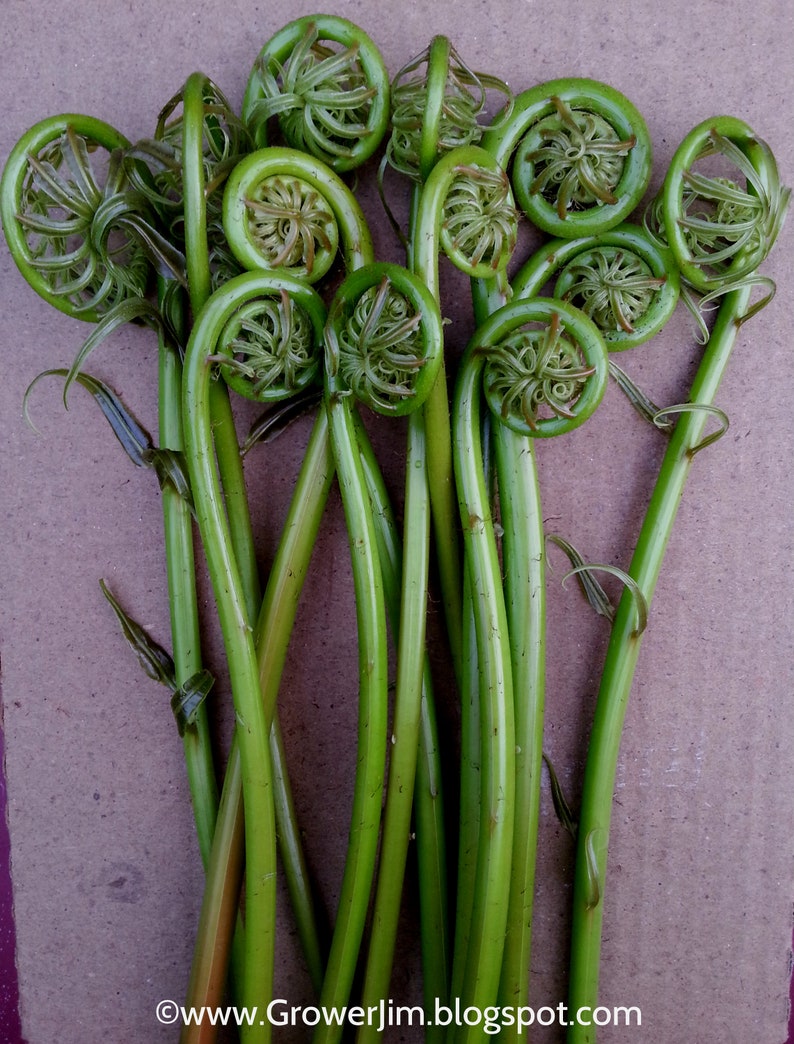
(373, 714)
(525, 593)
(180, 567)
(483, 957)
(431, 855)
(427, 788)
(410, 637)
(216, 935)
(619, 668)
(469, 796)
(236, 519)
(252, 727)
(230, 465)
(524, 566)
(273, 630)
(275, 625)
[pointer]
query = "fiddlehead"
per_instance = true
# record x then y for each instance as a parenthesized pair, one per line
(721, 227)
(480, 221)
(268, 349)
(67, 208)
(383, 340)
(546, 369)
(466, 210)
(733, 257)
(581, 155)
(285, 211)
(623, 280)
(156, 165)
(325, 80)
(437, 105)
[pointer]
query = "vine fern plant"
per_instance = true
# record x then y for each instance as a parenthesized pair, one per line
(718, 231)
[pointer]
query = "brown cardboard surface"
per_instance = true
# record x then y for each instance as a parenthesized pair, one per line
(106, 871)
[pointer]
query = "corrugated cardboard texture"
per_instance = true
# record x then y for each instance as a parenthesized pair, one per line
(105, 864)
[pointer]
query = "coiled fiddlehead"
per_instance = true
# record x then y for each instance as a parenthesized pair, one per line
(724, 264)
(543, 368)
(581, 155)
(383, 340)
(156, 165)
(437, 105)
(325, 80)
(547, 371)
(720, 228)
(69, 213)
(286, 211)
(268, 349)
(623, 280)
(375, 310)
(227, 566)
(480, 220)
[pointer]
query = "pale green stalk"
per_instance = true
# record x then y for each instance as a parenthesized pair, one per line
(483, 957)
(182, 600)
(427, 788)
(373, 713)
(619, 667)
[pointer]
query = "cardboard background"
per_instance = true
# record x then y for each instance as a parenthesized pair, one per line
(105, 866)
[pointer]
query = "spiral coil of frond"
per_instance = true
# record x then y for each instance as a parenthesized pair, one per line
(325, 82)
(544, 365)
(577, 158)
(380, 347)
(268, 349)
(460, 109)
(480, 222)
(613, 286)
(291, 224)
(384, 340)
(721, 227)
(535, 373)
(71, 217)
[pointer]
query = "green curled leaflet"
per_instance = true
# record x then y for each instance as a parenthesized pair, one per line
(384, 339)
(326, 82)
(283, 210)
(248, 327)
(58, 176)
(545, 366)
(595, 594)
(721, 227)
(437, 103)
(581, 155)
(692, 407)
(623, 279)
(640, 603)
(188, 699)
